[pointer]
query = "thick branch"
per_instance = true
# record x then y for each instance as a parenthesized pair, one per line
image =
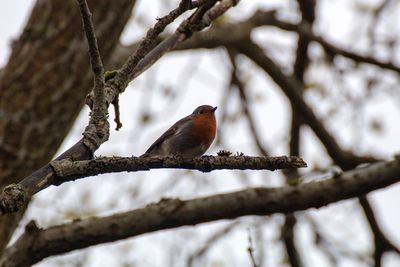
(37, 244)
(69, 170)
(14, 195)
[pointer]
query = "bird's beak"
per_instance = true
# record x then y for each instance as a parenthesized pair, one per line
(214, 109)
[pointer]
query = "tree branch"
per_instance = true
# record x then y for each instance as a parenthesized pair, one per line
(95, 59)
(98, 130)
(14, 195)
(382, 244)
(305, 30)
(307, 9)
(251, 250)
(236, 82)
(147, 43)
(69, 170)
(36, 244)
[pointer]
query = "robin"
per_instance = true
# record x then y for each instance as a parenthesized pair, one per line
(189, 137)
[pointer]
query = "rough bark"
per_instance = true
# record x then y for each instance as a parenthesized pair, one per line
(14, 196)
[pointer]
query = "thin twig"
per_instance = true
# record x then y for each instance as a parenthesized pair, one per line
(117, 118)
(191, 25)
(147, 43)
(95, 59)
(333, 249)
(97, 131)
(250, 248)
(214, 238)
(237, 82)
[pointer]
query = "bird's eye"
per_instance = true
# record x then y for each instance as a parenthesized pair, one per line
(201, 112)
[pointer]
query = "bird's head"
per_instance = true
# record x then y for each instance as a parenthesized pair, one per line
(204, 110)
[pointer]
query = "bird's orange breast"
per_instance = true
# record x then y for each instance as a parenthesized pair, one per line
(204, 128)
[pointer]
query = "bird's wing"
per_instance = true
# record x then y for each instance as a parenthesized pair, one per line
(171, 131)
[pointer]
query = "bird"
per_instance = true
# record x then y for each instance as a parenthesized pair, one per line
(189, 137)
